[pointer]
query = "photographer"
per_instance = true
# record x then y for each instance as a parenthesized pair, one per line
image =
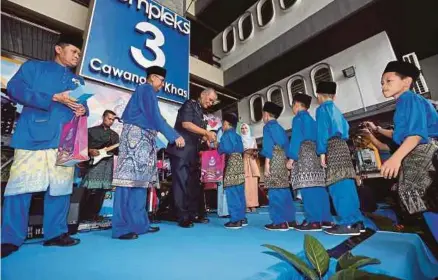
(380, 137)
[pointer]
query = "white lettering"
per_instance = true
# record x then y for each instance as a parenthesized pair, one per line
(159, 13)
(186, 28)
(106, 69)
(117, 72)
(135, 78)
(154, 12)
(152, 44)
(180, 92)
(95, 64)
(166, 87)
(145, 2)
(127, 76)
(167, 18)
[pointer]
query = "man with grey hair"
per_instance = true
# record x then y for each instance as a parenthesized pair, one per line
(186, 187)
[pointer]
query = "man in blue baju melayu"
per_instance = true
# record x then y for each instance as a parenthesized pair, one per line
(42, 87)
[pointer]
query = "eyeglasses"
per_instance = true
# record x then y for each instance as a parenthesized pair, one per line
(161, 79)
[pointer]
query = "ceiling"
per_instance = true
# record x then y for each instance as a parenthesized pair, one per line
(411, 27)
(221, 13)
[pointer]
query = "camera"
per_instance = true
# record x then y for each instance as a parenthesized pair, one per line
(362, 126)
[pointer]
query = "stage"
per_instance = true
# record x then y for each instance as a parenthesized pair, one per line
(205, 252)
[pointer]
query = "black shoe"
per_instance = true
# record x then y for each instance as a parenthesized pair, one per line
(8, 248)
(309, 227)
(64, 240)
(244, 222)
(292, 224)
(360, 226)
(235, 225)
(128, 236)
(279, 227)
(327, 224)
(186, 224)
(153, 229)
(201, 220)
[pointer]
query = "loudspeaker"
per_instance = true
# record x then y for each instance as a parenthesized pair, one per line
(36, 212)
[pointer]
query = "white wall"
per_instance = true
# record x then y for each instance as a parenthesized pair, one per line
(65, 11)
(369, 58)
(282, 22)
(429, 67)
(206, 71)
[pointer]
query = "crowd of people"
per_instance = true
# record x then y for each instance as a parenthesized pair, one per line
(315, 160)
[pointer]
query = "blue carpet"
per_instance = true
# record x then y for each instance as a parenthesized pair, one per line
(203, 252)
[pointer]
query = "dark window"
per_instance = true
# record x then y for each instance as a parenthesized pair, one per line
(257, 107)
(296, 87)
(323, 74)
(266, 12)
(246, 27)
(276, 96)
(286, 4)
(229, 39)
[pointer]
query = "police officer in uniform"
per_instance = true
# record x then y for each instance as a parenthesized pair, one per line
(186, 187)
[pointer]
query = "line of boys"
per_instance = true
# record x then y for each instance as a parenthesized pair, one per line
(318, 157)
(308, 173)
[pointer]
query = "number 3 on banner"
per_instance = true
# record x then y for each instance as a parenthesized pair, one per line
(152, 44)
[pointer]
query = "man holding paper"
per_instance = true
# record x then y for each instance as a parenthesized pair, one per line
(43, 88)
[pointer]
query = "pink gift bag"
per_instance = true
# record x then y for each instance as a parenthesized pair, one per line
(73, 146)
(212, 166)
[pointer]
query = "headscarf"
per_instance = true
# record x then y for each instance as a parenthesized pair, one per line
(248, 141)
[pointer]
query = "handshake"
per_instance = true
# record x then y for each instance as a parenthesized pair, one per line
(207, 136)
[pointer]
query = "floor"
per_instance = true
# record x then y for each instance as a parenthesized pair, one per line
(204, 252)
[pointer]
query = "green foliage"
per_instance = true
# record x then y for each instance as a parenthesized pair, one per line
(347, 261)
(347, 267)
(295, 261)
(316, 254)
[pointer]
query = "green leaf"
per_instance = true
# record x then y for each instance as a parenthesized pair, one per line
(347, 260)
(295, 261)
(346, 274)
(349, 274)
(316, 254)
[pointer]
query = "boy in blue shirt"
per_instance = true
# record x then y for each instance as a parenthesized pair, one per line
(331, 145)
(275, 142)
(307, 174)
(232, 146)
(416, 131)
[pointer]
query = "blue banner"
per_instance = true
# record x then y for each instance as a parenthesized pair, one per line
(127, 36)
